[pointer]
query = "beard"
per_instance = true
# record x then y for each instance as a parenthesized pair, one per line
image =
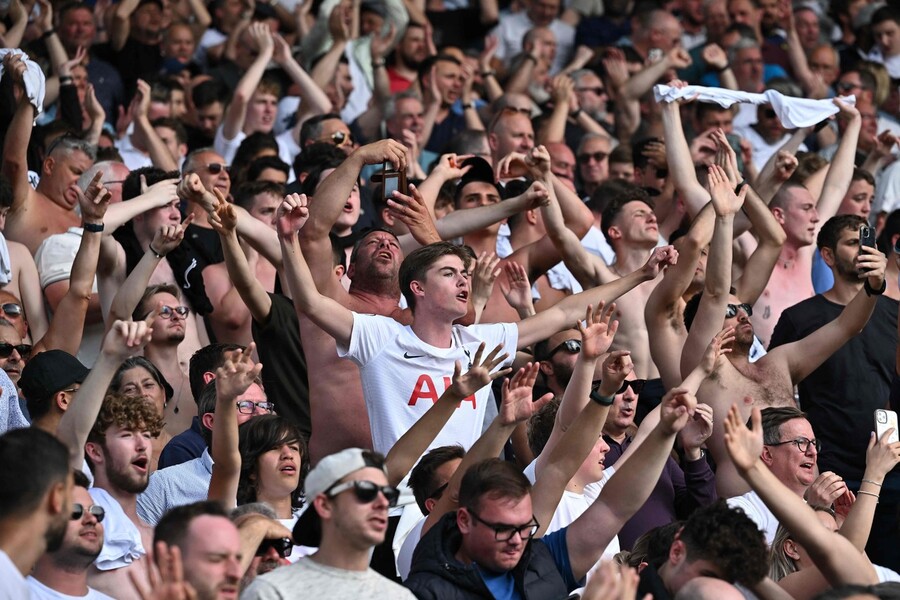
(121, 476)
(56, 532)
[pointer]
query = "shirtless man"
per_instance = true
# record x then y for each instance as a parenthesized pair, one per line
(36, 214)
(770, 380)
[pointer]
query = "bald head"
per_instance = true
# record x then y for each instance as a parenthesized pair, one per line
(708, 588)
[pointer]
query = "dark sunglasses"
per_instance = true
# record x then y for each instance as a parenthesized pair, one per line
(597, 156)
(339, 138)
(570, 346)
(283, 547)
(95, 509)
(12, 309)
(216, 168)
(846, 86)
(6, 349)
(367, 491)
(662, 173)
(599, 90)
(731, 310)
(637, 385)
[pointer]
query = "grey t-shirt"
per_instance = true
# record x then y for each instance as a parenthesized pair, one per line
(325, 582)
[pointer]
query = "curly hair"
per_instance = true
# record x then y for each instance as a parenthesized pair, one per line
(256, 437)
(128, 412)
(728, 538)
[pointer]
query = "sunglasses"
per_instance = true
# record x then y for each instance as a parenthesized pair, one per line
(570, 346)
(662, 173)
(597, 90)
(846, 86)
(731, 310)
(95, 509)
(637, 385)
(597, 156)
(283, 546)
(339, 138)
(216, 168)
(6, 350)
(12, 309)
(166, 312)
(367, 491)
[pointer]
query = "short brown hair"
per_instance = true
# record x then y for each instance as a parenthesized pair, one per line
(141, 310)
(417, 263)
(494, 478)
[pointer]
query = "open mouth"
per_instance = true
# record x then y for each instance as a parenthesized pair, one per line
(141, 463)
(807, 465)
(463, 296)
(289, 469)
(348, 208)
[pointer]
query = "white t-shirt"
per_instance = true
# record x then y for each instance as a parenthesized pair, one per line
(402, 376)
(39, 591)
(13, 586)
(404, 557)
(512, 29)
(757, 510)
(309, 579)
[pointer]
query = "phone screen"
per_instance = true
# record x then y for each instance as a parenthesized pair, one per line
(390, 183)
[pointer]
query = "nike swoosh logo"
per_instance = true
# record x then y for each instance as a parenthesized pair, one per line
(408, 355)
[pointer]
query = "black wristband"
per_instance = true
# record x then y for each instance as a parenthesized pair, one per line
(576, 113)
(870, 291)
(739, 187)
(93, 227)
(155, 253)
(722, 69)
(47, 34)
(602, 400)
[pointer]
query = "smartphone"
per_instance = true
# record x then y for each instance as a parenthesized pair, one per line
(392, 181)
(884, 420)
(866, 236)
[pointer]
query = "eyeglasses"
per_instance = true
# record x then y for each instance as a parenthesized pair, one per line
(6, 350)
(367, 491)
(94, 509)
(599, 90)
(248, 407)
(504, 532)
(636, 384)
(436, 494)
(339, 138)
(166, 312)
(216, 168)
(570, 346)
(731, 310)
(802, 444)
(846, 86)
(12, 309)
(283, 546)
(597, 156)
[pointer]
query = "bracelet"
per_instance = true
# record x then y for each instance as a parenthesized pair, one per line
(602, 400)
(722, 69)
(155, 253)
(872, 482)
(93, 227)
(870, 291)
(378, 62)
(869, 494)
(488, 73)
(469, 105)
(531, 57)
(47, 34)
(66, 80)
(576, 113)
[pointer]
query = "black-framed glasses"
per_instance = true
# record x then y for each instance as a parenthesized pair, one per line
(249, 407)
(570, 346)
(166, 312)
(6, 349)
(12, 309)
(216, 168)
(599, 90)
(597, 156)
(95, 509)
(731, 310)
(504, 532)
(366, 491)
(339, 138)
(802, 444)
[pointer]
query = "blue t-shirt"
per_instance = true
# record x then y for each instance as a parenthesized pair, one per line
(503, 586)
(822, 277)
(769, 72)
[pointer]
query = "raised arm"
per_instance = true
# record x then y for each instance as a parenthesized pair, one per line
(313, 100)
(681, 165)
(232, 379)
(251, 291)
(233, 122)
(124, 339)
(643, 80)
(570, 309)
(805, 355)
(842, 164)
(711, 311)
(812, 84)
(67, 326)
(629, 487)
(412, 445)
(15, 146)
(157, 195)
(121, 23)
(327, 314)
(835, 556)
(166, 239)
(159, 153)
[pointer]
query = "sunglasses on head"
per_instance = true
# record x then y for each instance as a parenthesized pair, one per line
(339, 138)
(216, 168)
(731, 310)
(95, 509)
(12, 309)
(6, 350)
(570, 346)
(367, 491)
(597, 156)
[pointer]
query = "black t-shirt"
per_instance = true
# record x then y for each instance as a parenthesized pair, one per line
(201, 247)
(134, 61)
(840, 397)
(284, 366)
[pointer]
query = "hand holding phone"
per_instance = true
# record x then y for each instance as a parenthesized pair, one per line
(884, 420)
